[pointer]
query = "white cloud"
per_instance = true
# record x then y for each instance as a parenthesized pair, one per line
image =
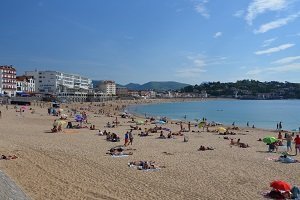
(201, 8)
(268, 42)
(276, 24)
(258, 7)
(293, 67)
(287, 60)
(239, 13)
(217, 34)
(275, 49)
(195, 67)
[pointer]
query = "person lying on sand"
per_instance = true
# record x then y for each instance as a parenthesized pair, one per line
(144, 165)
(203, 148)
(3, 157)
(239, 143)
(287, 159)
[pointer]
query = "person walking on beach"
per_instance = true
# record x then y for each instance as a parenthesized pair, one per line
(289, 139)
(280, 125)
(126, 139)
(0, 114)
(189, 126)
(130, 137)
(181, 126)
(297, 144)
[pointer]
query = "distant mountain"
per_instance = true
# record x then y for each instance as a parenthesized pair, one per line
(158, 86)
(153, 85)
(133, 86)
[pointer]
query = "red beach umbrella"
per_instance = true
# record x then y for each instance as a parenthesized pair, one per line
(281, 185)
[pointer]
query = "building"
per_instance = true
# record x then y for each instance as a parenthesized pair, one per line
(25, 84)
(121, 91)
(8, 80)
(55, 82)
(108, 87)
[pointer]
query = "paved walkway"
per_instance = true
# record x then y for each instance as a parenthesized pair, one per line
(9, 190)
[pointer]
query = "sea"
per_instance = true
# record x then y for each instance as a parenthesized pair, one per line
(264, 114)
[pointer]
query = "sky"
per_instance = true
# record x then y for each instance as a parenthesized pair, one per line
(189, 41)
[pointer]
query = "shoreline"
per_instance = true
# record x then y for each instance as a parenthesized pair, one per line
(141, 116)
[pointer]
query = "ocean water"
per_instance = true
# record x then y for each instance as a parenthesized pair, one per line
(261, 113)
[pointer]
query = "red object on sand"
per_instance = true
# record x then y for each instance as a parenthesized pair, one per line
(281, 185)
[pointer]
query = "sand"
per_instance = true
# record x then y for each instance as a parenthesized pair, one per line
(74, 164)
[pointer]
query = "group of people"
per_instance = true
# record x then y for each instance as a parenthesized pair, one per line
(128, 138)
(289, 139)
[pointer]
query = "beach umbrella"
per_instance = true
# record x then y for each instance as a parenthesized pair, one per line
(59, 122)
(201, 124)
(270, 140)
(222, 130)
(280, 185)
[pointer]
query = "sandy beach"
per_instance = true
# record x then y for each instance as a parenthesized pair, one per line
(73, 164)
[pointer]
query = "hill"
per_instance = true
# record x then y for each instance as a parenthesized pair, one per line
(158, 86)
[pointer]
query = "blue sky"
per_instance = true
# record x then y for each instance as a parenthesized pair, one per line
(189, 41)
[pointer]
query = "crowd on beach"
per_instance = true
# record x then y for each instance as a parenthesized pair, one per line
(78, 117)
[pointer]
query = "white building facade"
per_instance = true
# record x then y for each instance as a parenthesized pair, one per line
(25, 84)
(7, 80)
(108, 87)
(55, 82)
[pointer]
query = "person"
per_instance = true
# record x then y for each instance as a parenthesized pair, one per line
(0, 114)
(181, 126)
(280, 125)
(189, 126)
(69, 125)
(130, 137)
(126, 138)
(289, 139)
(279, 137)
(297, 144)
(162, 136)
(295, 192)
(247, 124)
(273, 147)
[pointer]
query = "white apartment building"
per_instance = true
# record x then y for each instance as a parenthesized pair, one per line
(108, 87)
(55, 82)
(25, 84)
(7, 80)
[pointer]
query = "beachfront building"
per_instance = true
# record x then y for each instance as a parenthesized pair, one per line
(121, 91)
(25, 84)
(108, 87)
(56, 82)
(7, 80)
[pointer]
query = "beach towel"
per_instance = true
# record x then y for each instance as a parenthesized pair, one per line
(119, 156)
(272, 158)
